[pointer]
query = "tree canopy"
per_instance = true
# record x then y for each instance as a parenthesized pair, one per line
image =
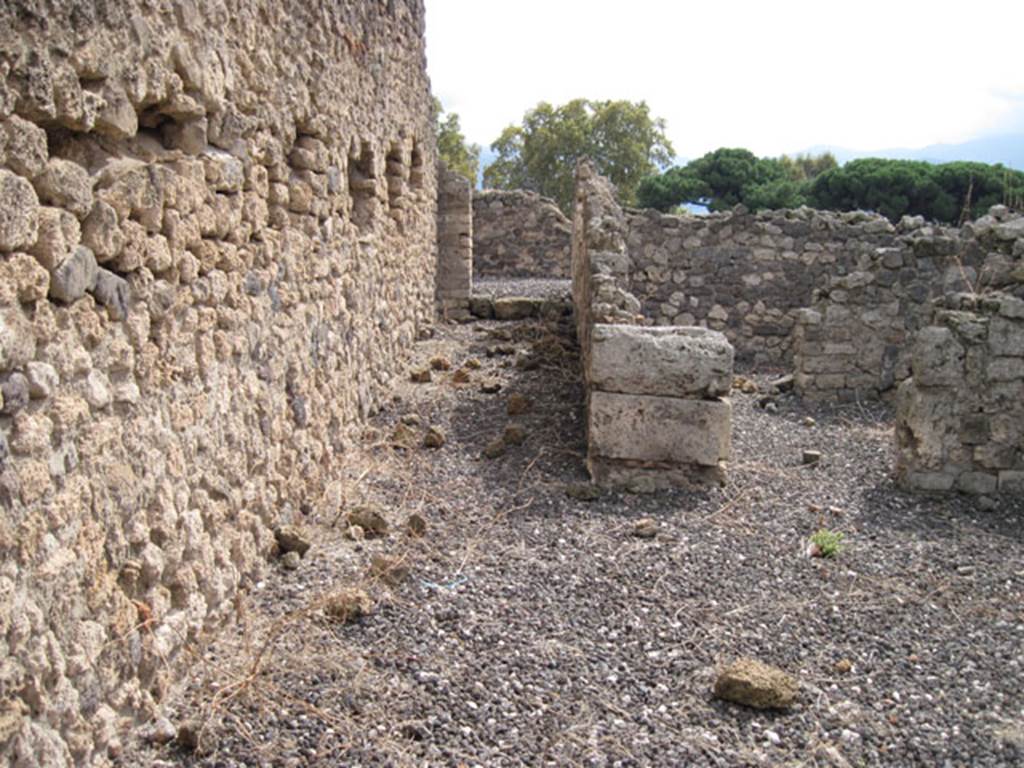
(949, 192)
(805, 166)
(620, 137)
(452, 147)
(722, 179)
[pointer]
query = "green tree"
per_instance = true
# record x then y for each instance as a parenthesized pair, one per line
(720, 180)
(731, 175)
(670, 189)
(452, 147)
(776, 194)
(947, 192)
(620, 137)
(806, 167)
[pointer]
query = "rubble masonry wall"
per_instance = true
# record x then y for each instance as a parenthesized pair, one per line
(217, 239)
(855, 340)
(742, 273)
(520, 234)
(960, 417)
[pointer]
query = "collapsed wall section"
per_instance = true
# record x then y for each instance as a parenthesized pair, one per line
(520, 234)
(217, 238)
(655, 397)
(960, 418)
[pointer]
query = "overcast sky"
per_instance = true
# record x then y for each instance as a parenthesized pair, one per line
(773, 76)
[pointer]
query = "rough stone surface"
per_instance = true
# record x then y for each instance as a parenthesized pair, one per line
(516, 307)
(65, 184)
(291, 539)
(58, 235)
(19, 212)
(22, 146)
(855, 340)
(668, 430)
(15, 392)
(70, 281)
(42, 379)
(745, 274)
(257, 181)
(112, 292)
(520, 234)
(454, 242)
(754, 684)
(17, 342)
(683, 362)
(960, 417)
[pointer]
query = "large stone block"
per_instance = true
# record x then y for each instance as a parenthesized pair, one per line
(660, 429)
(937, 358)
(516, 307)
(74, 277)
(672, 361)
(17, 342)
(927, 426)
(19, 212)
(64, 184)
(24, 146)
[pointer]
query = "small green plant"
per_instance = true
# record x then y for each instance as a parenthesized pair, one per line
(826, 543)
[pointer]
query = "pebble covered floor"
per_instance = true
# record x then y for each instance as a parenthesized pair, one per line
(536, 628)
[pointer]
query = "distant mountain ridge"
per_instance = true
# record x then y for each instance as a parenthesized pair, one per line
(1007, 149)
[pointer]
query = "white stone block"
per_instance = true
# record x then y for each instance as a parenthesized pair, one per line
(671, 361)
(660, 429)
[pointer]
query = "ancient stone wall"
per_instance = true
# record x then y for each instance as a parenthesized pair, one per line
(854, 341)
(454, 242)
(745, 274)
(655, 397)
(960, 418)
(217, 238)
(520, 234)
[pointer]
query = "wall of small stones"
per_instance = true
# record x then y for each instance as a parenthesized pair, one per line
(855, 340)
(655, 397)
(742, 273)
(217, 240)
(960, 417)
(520, 234)
(454, 242)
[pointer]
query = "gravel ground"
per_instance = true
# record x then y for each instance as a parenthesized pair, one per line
(536, 630)
(544, 288)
